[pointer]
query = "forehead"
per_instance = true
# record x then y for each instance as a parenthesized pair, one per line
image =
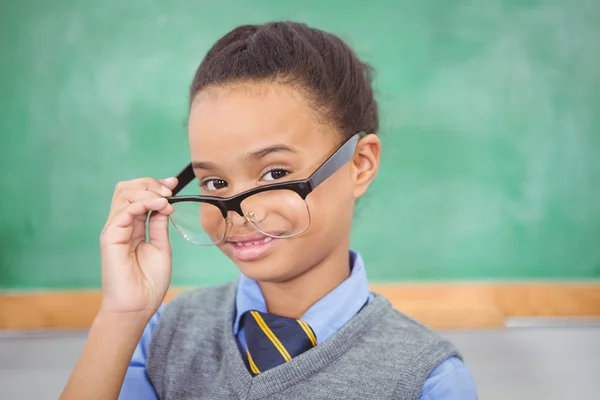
(246, 117)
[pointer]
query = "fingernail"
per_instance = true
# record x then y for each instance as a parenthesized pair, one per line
(170, 180)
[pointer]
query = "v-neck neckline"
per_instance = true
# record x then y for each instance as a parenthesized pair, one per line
(299, 368)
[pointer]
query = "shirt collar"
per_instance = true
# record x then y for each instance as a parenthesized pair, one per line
(327, 315)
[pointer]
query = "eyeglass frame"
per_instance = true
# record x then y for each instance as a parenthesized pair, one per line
(303, 187)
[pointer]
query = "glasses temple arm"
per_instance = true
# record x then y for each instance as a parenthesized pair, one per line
(183, 179)
(335, 162)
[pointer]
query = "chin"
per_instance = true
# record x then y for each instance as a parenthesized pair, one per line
(268, 270)
(275, 267)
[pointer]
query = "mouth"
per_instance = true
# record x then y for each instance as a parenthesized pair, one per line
(248, 243)
(251, 249)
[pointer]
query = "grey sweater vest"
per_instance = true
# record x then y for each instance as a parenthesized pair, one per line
(380, 354)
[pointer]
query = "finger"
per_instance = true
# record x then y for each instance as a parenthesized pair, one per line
(130, 196)
(138, 234)
(170, 183)
(158, 229)
(119, 229)
(149, 184)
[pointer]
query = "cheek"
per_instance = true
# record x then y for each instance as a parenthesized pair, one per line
(212, 221)
(331, 204)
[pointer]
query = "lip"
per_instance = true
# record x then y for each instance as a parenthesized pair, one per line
(251, 247)
(249, 237)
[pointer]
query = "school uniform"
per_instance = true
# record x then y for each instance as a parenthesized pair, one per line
(220, 343)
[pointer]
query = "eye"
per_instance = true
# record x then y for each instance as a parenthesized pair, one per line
(275, 174)
(213, 184)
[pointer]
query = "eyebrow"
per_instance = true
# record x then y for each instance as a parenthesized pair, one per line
(253, 156)
(204, 165)
(276, 148)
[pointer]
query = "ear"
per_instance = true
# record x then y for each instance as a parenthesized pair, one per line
(365, 163)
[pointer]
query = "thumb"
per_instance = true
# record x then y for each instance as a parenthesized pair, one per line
(169, 182)
(158, 232)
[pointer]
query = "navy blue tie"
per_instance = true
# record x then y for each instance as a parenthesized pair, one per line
(272, 340)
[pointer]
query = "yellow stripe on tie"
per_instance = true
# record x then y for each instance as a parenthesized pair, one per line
(308, 332)
(253, 366)
(267, 331)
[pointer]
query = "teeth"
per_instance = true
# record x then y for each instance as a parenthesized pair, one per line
(247, 244)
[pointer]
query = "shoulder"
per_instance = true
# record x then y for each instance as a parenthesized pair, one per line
(411, 350)
(401, 330)
(450, 380)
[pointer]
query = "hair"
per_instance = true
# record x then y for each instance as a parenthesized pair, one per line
(337, 84)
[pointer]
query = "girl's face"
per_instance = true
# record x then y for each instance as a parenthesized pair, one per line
(247, 135)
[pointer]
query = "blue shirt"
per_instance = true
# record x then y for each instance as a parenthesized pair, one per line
(450, 380)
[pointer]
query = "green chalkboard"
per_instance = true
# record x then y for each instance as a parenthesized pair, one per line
(490, 126)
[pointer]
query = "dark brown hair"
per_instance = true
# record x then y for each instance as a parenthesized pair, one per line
(336, 83)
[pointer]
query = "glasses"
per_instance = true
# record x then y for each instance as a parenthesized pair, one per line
(277, 210)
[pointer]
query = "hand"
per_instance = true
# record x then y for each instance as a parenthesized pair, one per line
(136, 271)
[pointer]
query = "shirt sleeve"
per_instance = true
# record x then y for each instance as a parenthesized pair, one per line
(136, 384)
(450, 380)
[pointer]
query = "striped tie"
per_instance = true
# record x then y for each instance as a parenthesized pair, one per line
(272, 340)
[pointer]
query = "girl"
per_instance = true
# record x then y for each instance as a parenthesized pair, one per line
(282, 133)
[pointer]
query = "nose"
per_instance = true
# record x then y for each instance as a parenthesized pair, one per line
(236, 219)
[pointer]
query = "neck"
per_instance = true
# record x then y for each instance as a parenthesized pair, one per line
(294, 297)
